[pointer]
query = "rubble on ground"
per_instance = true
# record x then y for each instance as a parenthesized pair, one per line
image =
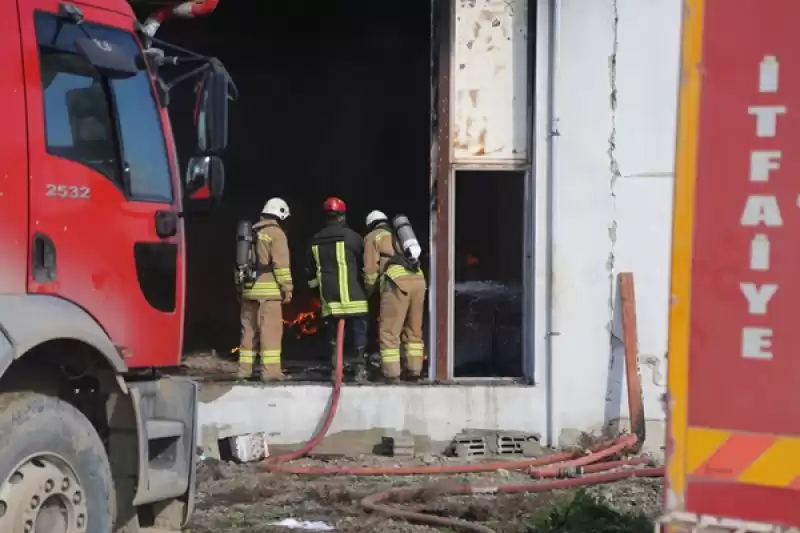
(236, 498)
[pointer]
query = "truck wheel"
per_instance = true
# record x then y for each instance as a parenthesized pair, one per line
(54, 472)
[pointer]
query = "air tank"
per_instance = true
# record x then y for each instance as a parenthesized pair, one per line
(244, 244)
(407, 237)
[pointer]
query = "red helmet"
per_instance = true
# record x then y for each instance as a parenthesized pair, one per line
(334, 205)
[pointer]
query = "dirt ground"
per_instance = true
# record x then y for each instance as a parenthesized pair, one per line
(238, 499)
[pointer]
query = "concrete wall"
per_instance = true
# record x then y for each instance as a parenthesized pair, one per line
(291, 414)
(616, 104)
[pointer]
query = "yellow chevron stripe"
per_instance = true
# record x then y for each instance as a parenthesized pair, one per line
(701, 444)
(779, 466)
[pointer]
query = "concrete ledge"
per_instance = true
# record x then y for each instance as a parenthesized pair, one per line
(290, 414)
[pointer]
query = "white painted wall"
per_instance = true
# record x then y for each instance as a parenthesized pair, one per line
(605, 224)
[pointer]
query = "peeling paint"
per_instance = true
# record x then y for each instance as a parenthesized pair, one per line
(613, 164)
(490, 80)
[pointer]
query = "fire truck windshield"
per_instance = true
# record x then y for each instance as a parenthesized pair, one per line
(112, 126)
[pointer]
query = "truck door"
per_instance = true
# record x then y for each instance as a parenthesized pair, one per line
(104, 228)
(734, 369)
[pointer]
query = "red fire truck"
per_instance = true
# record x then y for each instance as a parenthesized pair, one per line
(734, 418)
(92, 268)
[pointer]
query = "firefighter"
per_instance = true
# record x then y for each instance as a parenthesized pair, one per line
(262, 313)
(402, 288)
(334, 269)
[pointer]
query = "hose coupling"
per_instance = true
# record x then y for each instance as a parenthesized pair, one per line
(570, 471)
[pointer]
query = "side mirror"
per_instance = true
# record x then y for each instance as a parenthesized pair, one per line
(205, 180)
(211, 109)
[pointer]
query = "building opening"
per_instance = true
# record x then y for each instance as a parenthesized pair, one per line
(488, 290)
(334, 101)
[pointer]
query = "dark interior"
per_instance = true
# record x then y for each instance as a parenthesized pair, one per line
(334, 101)
(488, 247)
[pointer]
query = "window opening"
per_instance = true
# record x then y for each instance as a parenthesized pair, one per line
(110, 126)
(488, 291)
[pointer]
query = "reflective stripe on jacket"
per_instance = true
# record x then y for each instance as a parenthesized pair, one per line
(274, 270)
(379, 248)
(334, 266)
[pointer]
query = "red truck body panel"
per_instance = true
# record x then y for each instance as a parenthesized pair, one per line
(104, 235)
(734, 447)
(13, 158)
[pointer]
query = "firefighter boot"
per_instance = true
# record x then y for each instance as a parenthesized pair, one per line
(360, 366)
(390, 364)
(411, 376)
(245, 370)
(246, 359)
(271, 373)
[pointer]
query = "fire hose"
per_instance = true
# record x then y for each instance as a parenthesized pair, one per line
(375, 502)
(272, 463)
(275, 463)
(564, 464)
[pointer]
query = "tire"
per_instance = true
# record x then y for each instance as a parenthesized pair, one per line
(40, 435)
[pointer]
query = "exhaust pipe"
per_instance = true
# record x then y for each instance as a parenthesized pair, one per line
(187, 10)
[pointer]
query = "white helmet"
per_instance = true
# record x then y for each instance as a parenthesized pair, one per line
(276, 207)
(376, 216)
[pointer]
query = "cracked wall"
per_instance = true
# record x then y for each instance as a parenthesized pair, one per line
(616, 93)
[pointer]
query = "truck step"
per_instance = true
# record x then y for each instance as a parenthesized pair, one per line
(159, 428)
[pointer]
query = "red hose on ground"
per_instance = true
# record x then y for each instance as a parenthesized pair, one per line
(591, 469)
(271, 464)
(428, 470)
(566, 460)
(375, 504)
(619, 445)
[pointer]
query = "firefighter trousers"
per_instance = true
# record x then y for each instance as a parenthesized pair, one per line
(354, 325)
(262, 319)
(402, 311)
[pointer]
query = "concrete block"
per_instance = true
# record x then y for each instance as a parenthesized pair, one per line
(398, 446)
(512, 442)
(249, 448)
(471, 444)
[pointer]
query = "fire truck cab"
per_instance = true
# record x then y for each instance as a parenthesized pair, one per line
(92, 269)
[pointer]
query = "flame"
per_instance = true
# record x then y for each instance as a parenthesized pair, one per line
(472, 260)
(303, 322)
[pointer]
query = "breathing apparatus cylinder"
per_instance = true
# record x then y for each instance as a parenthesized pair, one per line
(245, 268)
(407, 238)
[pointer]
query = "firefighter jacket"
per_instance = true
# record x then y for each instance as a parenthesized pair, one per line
(382, 258)
(272, 253)
(334, 267)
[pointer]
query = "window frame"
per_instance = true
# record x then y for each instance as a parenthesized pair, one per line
(124, 183)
